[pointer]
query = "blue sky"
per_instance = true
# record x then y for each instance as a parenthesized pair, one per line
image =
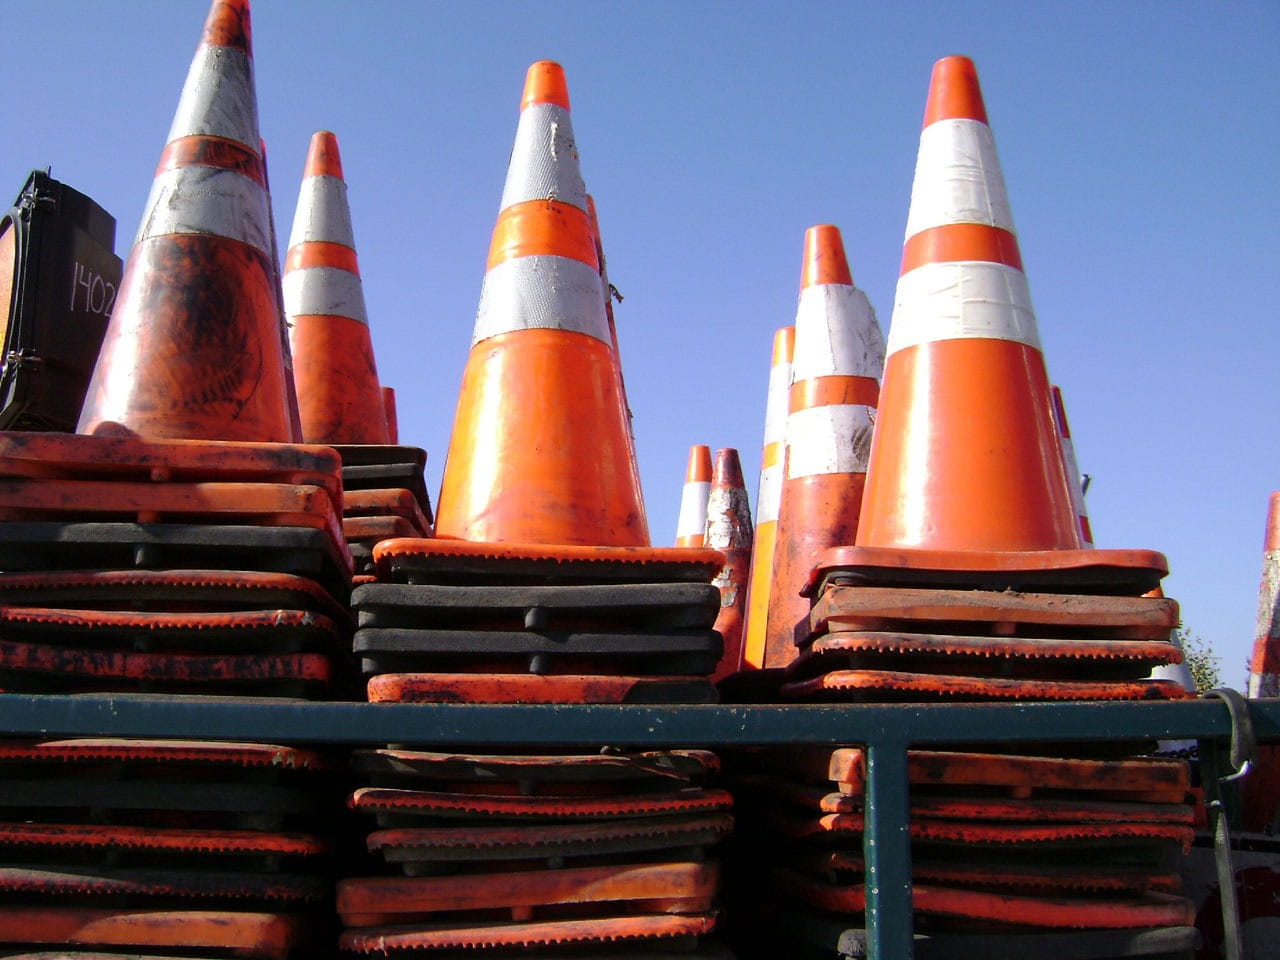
(1138, 141)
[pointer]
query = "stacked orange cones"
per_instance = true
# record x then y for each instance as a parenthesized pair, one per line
(181, 544)
(341, 401)
(970, 579)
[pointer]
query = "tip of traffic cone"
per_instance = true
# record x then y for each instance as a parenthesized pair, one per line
(728, 469)
(824, 259)
(954, 93)
(228, 25)
(323, 159)
(699, 470)
(545, 83)
(784, 345)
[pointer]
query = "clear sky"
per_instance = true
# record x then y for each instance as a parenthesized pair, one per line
(1138, 141)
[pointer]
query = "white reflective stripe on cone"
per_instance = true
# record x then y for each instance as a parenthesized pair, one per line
(692, 521)
(836, 334)
(328, 291)
(207, 200)
(959, 300)
(544, 159)
(322, 213)
(776, 404)
(218, 99)
(958, 178)
(770, 498)
(829, 439)
(541, 292)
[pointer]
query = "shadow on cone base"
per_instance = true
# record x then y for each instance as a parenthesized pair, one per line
(513, 476)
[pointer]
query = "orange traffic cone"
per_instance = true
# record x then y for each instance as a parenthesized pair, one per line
(691, 525)
(541, 451)
(966, 455)
(768, 496)
(729, 531)
(339, 397)
(1072, 468)
(193, 349)
(839, 354)
(1264, 667)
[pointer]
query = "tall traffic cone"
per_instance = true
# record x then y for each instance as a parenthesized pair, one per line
(541, 450)
(966, 454)
(1264, 666)
(193, 349)
(339, 396)
(768, 496)
(839, 355)
(691, 525)
(1072, 468)
(729, 531)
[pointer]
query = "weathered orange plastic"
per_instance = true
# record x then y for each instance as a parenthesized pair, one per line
(898, 685)
(548, 933)
(729, 531)
(396, 502)
(169, 884)
(1018, 810)
(198, 752)
(532, 688)
(373, 530)
(437, 804)
(161, 840)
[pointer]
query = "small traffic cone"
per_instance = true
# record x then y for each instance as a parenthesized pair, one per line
(339, 397)
(839, 353)
(729, 531)
(1264, 667)
(691, 525)
(768, 497)
(966, 455)
(541, 450)
(1072, 467)
(393, 418)
(193, 349)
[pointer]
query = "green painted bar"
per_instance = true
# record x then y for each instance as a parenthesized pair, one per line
(886, 849)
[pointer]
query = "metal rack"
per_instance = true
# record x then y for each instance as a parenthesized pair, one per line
(885, 730)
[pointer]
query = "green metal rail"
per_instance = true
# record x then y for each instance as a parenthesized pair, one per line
(886, 731)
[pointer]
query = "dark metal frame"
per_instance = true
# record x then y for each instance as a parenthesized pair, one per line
(886, 731)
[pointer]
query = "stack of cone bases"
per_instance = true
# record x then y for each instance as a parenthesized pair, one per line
(184, 543)
(164, 847)
(340, 399)
(541, 585)
(969, 580)
(596, 855)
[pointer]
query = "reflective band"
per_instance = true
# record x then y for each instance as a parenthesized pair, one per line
(693, 509)
(823, 440)
(323, 213)
(544, 159)
(775, 408)
(962, 300)
(546, 293)
(770, 494)
(836, 334)
(324, 291)
(958, 178)
(218, 99)
(207, 200)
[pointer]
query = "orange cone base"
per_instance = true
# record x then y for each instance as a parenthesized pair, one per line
(187, 885)
(549, 933)
(494, 564)
(1004, 909)
(524, 772)
(393, 502)
(643, 888)
(884, 685)
(182, 842)
(1053, 810)
(269, 936)
(380, 800)
(76, 457)
(371, 531)
(169, 752)
(1061, 616)
(530, 688)
(1120, 572)
(339, 399)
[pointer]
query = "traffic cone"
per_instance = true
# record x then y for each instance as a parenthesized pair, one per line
(691, 525)
(540, 450)
(393, 418)
(339, 397)
(1072, 467)
(1264, 667)
(729, 531)
(966, 455)
(768, 497)
(193, 349)
(839, 355)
